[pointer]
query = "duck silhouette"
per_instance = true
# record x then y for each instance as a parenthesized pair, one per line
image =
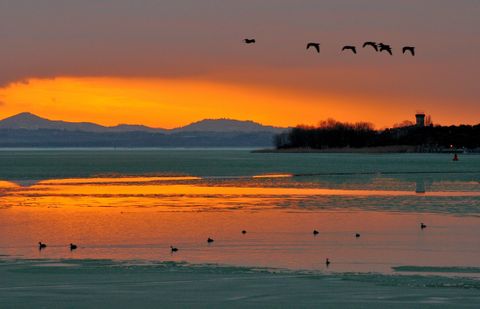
(173, 249)
(210, 240)
(422, 225)
(357, 235)
(249, 41)
(372, 44)
(349, 47)
(385, 47)
(73, 247)
(244, 232)
(314, 45)
(41, 245)
(315, 232)
(410, 49)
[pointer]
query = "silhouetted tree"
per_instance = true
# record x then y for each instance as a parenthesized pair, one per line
(405, 123)
(334, 134)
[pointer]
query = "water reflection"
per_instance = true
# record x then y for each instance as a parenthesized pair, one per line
(141, 217)
(274, 239)
(420, 186)
(255, 194)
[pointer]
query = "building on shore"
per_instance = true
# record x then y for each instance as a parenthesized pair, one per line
(420, 119)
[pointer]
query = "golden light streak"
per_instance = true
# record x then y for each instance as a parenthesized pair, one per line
(173, 103)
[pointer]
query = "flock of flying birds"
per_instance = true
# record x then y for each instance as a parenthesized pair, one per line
(378, 47)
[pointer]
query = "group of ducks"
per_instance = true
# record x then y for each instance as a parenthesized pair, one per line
(378, 47)
(42, 246)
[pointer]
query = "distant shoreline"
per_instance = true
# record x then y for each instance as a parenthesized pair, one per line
(380, 149)
(122, 148)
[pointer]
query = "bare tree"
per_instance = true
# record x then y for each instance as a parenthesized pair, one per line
(428, 121)
(403, 124)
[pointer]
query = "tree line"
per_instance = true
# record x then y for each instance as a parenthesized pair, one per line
(335, 134)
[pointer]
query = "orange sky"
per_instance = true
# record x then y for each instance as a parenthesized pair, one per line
(177, 102)
(171, 103)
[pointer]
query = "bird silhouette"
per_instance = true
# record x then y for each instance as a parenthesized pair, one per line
(314, 45)
(73, 247)
(327, 262)
(173, 249)
(357, 235)
(244, 232)
(373, 44)
(249, 41)
(41, 245)
(315, 232)
(422, 225)
(411, 49)
(352, 48)
(385, 47)
(209, 240)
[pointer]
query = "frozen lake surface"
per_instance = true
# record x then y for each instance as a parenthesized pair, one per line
(125, 208)
(134, 284)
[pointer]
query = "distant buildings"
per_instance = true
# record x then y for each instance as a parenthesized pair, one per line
(420, 119)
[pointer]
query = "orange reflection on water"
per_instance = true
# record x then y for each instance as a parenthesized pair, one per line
(140, 217)
(7, 185)
(273, 238)
(146, 186)
(273, 176)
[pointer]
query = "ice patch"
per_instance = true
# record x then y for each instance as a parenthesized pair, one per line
(415, 281)
(104, 266)
(58, 264)
(438, 269)
(150, 284)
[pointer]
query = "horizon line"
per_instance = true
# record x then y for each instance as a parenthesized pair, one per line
(143, 125)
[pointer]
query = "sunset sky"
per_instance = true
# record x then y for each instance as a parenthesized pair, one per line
(168, 63)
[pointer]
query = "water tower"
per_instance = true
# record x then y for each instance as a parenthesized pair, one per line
(420, 119)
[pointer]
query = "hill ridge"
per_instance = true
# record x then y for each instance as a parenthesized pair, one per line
(30, 121)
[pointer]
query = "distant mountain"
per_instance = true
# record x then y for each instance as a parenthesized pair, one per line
(29, 130)
(227, 125)
(134, 128)
(29, 121)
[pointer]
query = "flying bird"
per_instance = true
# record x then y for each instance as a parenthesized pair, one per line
(373, 44)
(422, 225)
(385, 47)
(411, 49)
(249, 41)
(352, 48)
(315, 232)
(41, 245)
(314, 45)
(173, 249)
(209, 240)
(73, 247)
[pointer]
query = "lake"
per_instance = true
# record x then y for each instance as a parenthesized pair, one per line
(132, 205)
